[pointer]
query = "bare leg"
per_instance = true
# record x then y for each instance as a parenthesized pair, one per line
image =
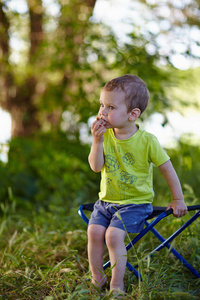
(96, 248)
(118, 257)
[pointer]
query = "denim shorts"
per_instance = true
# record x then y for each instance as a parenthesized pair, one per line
(128, 217)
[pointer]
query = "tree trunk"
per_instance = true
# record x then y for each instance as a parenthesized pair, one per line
(4, 54)
(36, 19)
(4, 26)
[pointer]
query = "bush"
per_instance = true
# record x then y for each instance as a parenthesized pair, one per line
(185, 159)
(52, 172)
(49, 171)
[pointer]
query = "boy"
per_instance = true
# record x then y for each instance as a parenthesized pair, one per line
(125, 155)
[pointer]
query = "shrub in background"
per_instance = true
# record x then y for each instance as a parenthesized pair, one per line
(49, 171)
(52, 172)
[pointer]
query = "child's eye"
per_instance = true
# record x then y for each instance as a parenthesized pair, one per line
(111, 107)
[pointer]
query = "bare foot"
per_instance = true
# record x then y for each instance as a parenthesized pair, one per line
(100, 282)
(118, 293)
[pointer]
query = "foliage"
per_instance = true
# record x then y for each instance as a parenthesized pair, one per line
(184, 92)
(48, 171)
(186, 163)
(53, 172)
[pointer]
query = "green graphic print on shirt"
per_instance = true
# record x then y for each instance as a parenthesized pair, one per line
(127, 175)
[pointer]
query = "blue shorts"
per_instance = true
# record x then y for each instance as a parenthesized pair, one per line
(129, 217)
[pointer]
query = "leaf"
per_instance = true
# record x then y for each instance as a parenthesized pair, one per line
(60, 263)
(2, 226)
(118, 215)
(12, 258)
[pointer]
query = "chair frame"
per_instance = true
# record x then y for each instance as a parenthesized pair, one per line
(158, 214)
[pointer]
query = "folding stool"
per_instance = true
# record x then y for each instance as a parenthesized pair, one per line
(158, 214)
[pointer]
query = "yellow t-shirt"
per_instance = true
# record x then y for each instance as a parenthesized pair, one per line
(127, 175)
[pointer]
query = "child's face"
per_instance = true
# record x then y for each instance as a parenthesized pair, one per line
(113, 109)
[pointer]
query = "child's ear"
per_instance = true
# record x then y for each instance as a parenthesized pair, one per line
(134, 114)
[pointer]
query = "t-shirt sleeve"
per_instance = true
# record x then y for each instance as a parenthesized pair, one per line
(157, 155)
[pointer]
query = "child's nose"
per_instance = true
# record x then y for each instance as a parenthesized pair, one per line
(104, 111)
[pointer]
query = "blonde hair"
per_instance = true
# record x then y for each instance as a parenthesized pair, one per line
(136, 92)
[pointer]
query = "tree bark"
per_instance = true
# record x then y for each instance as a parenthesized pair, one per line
(36, 20)
(4, 53)
(4, 26)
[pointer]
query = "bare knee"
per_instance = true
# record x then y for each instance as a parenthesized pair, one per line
(96, 233)
(114, 237)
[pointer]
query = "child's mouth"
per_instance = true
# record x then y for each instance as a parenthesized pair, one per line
(104, 123)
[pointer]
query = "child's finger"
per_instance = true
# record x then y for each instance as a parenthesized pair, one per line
(98, 129)
(97, 124)
(101, 131)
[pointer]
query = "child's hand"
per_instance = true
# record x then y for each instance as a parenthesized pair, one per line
(179, 208)
(98, 129)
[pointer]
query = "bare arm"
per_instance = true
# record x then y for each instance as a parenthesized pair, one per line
(96, 156)
(178, 204)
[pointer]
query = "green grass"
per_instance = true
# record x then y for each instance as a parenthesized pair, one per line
(43, 256)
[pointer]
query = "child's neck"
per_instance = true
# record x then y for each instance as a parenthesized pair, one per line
(125, 133)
